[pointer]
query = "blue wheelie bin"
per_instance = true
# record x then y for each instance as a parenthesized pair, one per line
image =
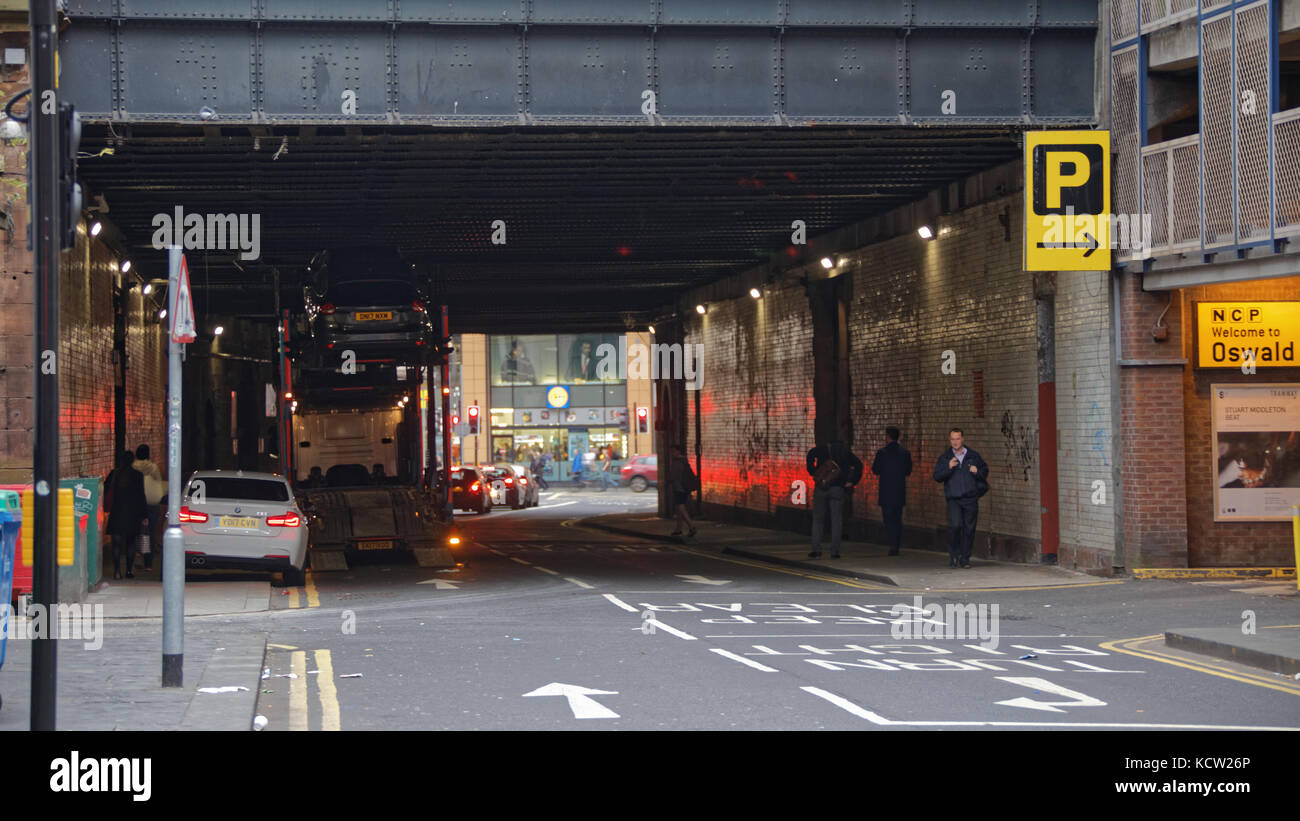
(11, 519)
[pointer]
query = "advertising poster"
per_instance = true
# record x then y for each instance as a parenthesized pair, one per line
(1257, 448)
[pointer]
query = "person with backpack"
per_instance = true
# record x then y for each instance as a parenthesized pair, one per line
(964, 475)
(684, 482)
(835, 471)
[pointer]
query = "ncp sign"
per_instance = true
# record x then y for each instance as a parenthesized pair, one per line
(1067, 201)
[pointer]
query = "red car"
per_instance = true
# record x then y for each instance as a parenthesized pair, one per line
(641, 472)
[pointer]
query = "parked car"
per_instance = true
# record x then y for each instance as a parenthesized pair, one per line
(244, 519)
(367, 300)
(469, 490)
(528, 484)
(640, 472)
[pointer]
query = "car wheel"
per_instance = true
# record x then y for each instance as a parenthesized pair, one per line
(293, 577)
(638, 484)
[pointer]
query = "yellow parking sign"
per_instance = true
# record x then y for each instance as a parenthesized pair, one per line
(1067, 201)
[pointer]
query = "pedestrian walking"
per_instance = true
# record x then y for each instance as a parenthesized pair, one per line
(835, 471)
(127, 508)
(683, 483)
(605, 472)
(964, 474)
(154, 488)
(893, 464)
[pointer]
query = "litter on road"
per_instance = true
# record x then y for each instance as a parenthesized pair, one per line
(229, 689)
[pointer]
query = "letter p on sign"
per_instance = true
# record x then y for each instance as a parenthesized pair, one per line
(1067, 201)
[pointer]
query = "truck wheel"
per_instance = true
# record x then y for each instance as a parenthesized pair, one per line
(638, 484)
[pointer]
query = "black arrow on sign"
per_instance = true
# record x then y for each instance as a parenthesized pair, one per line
(1092, 245)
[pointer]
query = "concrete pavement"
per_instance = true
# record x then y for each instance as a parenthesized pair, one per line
(911, 569)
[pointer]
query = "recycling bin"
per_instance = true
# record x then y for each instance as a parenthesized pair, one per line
(11, 520)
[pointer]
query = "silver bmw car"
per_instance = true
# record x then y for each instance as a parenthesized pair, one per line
(243, 519)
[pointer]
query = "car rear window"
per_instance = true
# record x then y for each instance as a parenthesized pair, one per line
(372, 292)
(463, 476)
(234, 487)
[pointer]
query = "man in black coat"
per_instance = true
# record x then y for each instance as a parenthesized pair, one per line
(893, 464)
(962, 471)
(832, 497)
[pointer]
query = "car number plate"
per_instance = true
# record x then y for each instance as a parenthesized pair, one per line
(388, 545)
(368, 316)
(236, 521)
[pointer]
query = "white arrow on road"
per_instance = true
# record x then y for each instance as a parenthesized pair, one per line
(1043, 685)
(580, 699)
(702, 579)
(441, 584)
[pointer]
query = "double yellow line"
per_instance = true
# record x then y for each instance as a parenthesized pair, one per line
(312, 597)
(299, 714)
(1144, 647)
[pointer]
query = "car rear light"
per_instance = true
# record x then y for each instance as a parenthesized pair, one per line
(188, 515)
(510, 481)
(473, 487)
(327, 308)
(522, 480)
(453, 540)
(289, 519)
(419, 306)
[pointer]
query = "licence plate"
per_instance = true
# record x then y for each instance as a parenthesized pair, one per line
(375, 545)
(236, 521)
(367, 316)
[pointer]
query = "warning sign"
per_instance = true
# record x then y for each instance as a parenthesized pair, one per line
(1067, 201)
(181, 311)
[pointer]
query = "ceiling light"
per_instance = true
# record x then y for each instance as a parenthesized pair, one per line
(925, 231)
(126, 266)
(755, 293)
(96, 228)
(148, 288)
(162, 314)
(827, 263)
(652, 330)
(699, 309)
(843, 261)
(218, 331)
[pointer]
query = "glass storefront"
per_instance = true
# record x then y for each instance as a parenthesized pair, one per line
(547, 359)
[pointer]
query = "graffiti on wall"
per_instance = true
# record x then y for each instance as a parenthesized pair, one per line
(1097, 431)
(1021, 443)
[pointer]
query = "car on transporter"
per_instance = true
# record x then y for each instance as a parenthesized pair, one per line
(245, 520)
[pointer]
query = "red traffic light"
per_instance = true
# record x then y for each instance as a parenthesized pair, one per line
(473, 411)
(642, 412)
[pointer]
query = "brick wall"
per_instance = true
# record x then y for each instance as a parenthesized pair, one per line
(1225, 544)
(1085, 433)
(86, 359)
(1154, 490)
(146, 375)
(756, 400)
(963, 291)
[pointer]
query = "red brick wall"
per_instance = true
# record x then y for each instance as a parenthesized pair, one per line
(85, 358)
(1226, 544)
(1154, 491)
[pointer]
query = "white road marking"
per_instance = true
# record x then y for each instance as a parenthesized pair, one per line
(876, 718)
(441, 584)
(521, 561)
(579, 584)
(744, 661)
(702, 579)
(620, 603)
(678, 633)
(1076, 699)
(544, 570)
(1092, 668)
(580, 699)
(494, 550)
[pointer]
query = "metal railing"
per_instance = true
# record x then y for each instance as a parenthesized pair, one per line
(1171, 193)
(1157, 14)
(1286, 173)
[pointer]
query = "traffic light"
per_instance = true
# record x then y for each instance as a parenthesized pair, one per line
(643, 420)
(473, 420)
(69, 188)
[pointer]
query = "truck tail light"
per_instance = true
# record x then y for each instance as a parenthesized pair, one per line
(327, 308)
(419, 306)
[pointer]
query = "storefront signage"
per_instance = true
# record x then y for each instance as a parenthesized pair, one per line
(1230, 334)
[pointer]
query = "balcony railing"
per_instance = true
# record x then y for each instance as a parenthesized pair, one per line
(1286, 173)
(1157, 14)
(1171, 194)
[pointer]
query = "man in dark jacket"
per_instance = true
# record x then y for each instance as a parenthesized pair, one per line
(834, 494)
(893, 464)
(961, 470)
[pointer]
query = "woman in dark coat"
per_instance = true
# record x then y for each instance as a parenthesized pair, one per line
(127, 486)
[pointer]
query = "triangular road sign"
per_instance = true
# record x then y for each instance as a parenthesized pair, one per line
(181, 312)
